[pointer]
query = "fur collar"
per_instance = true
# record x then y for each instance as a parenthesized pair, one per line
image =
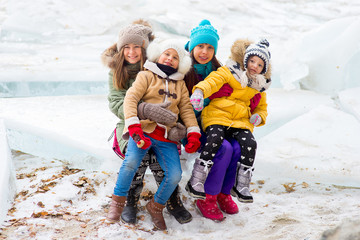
(155, 69)
(258, 82)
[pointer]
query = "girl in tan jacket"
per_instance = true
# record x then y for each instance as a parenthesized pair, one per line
(162, 82)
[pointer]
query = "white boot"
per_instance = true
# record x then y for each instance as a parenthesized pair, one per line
(242, 184)
(195, 185)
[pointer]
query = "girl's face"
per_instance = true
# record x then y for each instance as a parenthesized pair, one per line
(169, 57)
(255, 65)
(132, 53)
(203, 53)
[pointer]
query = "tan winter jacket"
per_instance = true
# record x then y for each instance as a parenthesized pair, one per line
(153, 86)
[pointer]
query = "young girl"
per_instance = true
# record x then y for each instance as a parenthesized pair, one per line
(248, 73)
(162, 82)
(203, 46)
(125, 59)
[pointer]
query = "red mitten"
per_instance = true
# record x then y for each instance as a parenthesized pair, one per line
(137, 135)
(193, 142)
(225, 90)
(254, 102)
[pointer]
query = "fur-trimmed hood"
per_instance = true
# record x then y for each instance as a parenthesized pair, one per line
(238, 50)
(158, 46)
(107, 56)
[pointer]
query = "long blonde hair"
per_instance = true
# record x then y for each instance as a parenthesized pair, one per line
(121, 75)
(115, 60)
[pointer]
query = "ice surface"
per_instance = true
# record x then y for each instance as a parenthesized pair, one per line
(7, 174)
(331, 52)
(51, 49)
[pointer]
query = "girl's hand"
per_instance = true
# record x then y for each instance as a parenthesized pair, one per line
(156, 112)
(193, 142)
(255, 119)
(137, 135)
(177, 133)
(197, 100)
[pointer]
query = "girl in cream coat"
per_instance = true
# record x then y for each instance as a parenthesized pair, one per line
(162, 82)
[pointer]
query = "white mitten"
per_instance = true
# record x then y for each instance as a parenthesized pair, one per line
(255, 119)
(197, 100)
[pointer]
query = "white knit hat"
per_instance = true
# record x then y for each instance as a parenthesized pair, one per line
(259, 49)
(135, 33)
(158, 46)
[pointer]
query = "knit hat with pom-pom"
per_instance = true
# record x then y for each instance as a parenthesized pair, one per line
(158, 46)
(259, 49)
(204, 33)
(137, 33)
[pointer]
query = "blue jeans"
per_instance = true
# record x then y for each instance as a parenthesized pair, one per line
(168, 157)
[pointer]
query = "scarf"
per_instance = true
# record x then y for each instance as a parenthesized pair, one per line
(203, 69)
(257, 81)
(166, 69)
(133, 69)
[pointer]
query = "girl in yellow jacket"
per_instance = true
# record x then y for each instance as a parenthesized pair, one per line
(247, 72)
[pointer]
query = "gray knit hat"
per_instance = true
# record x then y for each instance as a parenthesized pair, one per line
(259, 49)
(135, 33)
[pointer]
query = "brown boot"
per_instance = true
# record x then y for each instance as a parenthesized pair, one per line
(155, 209)
(116, 207)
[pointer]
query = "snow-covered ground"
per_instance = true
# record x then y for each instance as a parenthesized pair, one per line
(58, 167)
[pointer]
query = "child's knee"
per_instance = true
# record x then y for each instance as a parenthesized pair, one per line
(252, 144)
(131, 166)
(236, 146)
(226, 146)
(175, 177)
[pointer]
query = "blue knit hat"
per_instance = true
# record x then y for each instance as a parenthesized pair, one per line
(204, 33)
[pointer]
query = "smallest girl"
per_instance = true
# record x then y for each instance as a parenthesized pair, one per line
(162, 82)
(248, 73)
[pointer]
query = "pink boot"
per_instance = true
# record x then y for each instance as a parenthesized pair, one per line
(209, 208)
(227, 204)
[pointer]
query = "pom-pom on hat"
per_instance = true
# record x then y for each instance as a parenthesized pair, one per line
(259, 49)
(158, 46)
(135, 33)
(204, 33)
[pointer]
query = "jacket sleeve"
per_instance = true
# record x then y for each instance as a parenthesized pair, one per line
(132, 98)
(116, 98)
(261, 109)
(213, 82)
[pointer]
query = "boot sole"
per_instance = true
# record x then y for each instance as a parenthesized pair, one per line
(243, 200)
(110, 221)
(186, 221)
(193, 194)
(180, 220)
(130, 223)
(215, 220)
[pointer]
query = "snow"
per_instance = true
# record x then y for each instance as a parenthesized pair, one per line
(7, 174)
(58, 168)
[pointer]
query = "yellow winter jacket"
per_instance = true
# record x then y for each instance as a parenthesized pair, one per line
(234, 110)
